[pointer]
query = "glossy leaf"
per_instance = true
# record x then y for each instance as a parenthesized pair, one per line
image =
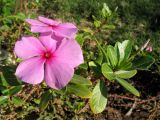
(110, 27)
(97, 23)
(125, 74)
(13, 90)
(128, 86)
(98, 101)
(143, 62)
(80, 39)
(112, 55)
(106, 12)
(9, 76)
(125, 49)
(17, 101)
(125, 66)
(107, 71)
(77, 79)
(3, 80)
(45, 98)
(84, 66)
(3, 99)
(79, 90)
(99, 59)
(88, 30)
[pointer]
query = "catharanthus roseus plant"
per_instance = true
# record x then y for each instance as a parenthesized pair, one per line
(57, 29)
(43, 60)
(49, 58)
(60, 70)
(54, 55)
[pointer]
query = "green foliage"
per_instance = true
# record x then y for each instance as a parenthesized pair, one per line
(112, 56)
(77, 79)
(45, 98)
(108, 72)
(3, 99)
(106, 12)
(114, 68)
(128, 86)
(17, 101)
(124, 49)
(101, 25)
(125, 74)
(98, 101)
(77, 8)
(143, 62)
(79, 90)
(80, 86)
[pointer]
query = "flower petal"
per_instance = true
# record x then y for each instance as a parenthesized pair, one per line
(28, 47)
(66, 30)
(48, 42)
(57, 37)
(31, 70)
(48, 21)
(58, 74)
(70, 52)
(54, 37)
(35, 22)
(41, 29)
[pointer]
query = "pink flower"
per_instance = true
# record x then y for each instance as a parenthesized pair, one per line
(149, 49)
(42, 60)
(147, 46)
(44, 25)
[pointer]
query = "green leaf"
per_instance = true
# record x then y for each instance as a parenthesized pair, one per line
(13, 90)
(9, 78)
(92, 64)
(84, 66)
(95, 67)
(128, 86)
(3, 81)
(80, 39)
(125, 74)
(97, 23)
(2, 88)
(45, 98)
(143, 62)
(17, 101)
(3, 99)
(110, 27)
(102, 49)
(107, 71)
(112, 55)
(125, 49)
(87, 30)
(79, 90)
(77, 79)
(106, 12)
(98, 101)
(125, 66)
(99, 59)
(20, 16)
(6, 11)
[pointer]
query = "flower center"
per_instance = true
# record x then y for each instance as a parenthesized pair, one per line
(52, 26)
(47, 55)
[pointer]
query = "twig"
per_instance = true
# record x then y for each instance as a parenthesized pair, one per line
(121, 105)
(139, 101)
(121, 97)
(132, 108)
